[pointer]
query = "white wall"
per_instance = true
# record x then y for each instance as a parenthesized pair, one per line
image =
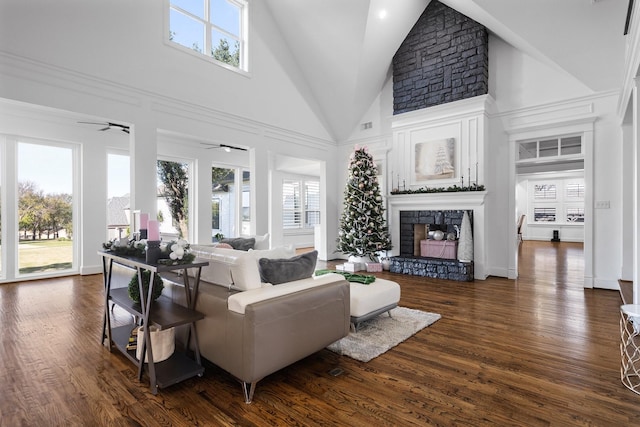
(524, 205)
(109, 61)
(529, 95)
(123, 42)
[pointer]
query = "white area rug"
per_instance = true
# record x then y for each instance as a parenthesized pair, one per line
(378, 335)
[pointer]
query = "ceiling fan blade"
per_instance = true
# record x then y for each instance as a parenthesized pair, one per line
(232, 147)
(107, 128)
(95, 123)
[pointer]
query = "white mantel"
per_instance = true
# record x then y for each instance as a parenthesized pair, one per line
(463, 200)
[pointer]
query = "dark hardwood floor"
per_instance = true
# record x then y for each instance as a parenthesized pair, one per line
(538, 351)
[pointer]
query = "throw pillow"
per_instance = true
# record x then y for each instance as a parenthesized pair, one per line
(280, 252)
(240, 243)
(262, 242)
(223, 246)
(276, 271)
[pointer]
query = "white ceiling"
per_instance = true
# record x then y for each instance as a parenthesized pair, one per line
(344, 48)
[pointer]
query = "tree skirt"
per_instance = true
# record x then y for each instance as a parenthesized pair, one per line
(376, 336)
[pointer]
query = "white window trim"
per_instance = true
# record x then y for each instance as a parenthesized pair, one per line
(243, 69)
(560, 203)
(9, 191)
(538, 159)
(302, 229)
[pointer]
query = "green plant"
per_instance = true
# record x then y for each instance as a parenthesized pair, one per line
(134, 287)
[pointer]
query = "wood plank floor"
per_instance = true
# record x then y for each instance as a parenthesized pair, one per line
(539, 351)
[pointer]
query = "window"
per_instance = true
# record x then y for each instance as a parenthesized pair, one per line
(215, 214)
(570, 145)
(300, 203)
(575, 214)
(246, 203)
(544, 214)
(215, 28)
(118, 187)
(223, 191)
(544, 192)
(312, 203)
(173, 199)
(549, 149)
(559, 201)
(291, 204)
(575, 190)
(231, 206)
(45, 207)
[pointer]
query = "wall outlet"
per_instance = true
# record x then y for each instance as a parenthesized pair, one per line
(603, 204)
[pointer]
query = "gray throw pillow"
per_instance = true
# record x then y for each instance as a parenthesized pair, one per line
(276, 271)
(240, 243)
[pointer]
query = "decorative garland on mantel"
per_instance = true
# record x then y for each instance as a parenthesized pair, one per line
(453, 189)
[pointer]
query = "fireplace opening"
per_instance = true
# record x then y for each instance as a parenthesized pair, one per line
(429, 245)
(417, 226)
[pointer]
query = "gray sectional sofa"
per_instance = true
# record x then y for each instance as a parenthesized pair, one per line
(252, 329)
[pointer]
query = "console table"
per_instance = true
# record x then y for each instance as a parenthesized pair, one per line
(161, 313)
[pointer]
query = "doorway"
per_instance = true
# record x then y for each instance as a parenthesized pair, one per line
(45, 208)
(566, 207)
(558, 264)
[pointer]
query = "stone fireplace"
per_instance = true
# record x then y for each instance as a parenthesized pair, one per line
(418, 229)
(414, 223)
(442, 211)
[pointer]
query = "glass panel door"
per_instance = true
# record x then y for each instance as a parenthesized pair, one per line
(118, 196)
(173, 199)
(45, 208)
(223, 206)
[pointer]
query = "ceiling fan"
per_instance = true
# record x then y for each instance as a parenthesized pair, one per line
(109, 125)
(225, 147)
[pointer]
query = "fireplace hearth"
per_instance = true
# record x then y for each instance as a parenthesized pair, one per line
(435, 268)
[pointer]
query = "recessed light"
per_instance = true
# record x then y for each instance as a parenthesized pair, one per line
(382, 14)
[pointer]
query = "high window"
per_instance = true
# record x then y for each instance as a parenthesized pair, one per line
(214, 28)
(300, 203)
(550, 149)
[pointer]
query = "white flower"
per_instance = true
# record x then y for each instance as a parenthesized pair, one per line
(177, 252)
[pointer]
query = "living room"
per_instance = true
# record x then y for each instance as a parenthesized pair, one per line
(114, 62)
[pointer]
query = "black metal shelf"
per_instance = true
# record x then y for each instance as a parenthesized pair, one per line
(178, 367)
(162, 313)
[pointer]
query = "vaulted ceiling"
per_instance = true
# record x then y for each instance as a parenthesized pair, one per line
(345, 47)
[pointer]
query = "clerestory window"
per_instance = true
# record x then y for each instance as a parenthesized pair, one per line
(214, 28)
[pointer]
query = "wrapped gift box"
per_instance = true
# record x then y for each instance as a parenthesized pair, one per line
(373, 267)
(352, 267)
(447, 249)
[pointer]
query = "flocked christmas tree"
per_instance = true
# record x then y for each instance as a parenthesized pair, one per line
(363, 230)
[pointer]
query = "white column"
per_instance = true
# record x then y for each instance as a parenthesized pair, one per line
(636, 199)
(202, 190)
(330, 206)
(628, 200)
(92, 222)
(259, 159)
